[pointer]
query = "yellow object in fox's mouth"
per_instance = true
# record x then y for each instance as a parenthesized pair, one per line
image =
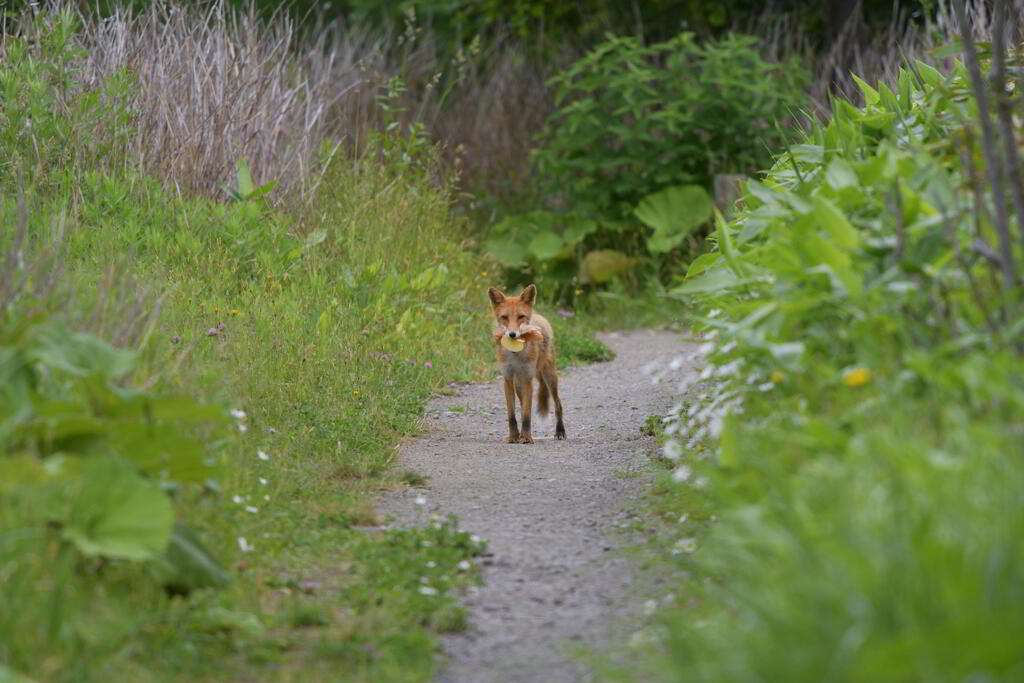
(514, 345)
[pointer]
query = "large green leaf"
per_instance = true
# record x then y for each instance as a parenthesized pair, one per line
(545, 245)
(188, 565)
(162, 451)
(673, 213)
(604, 265)
(840, 174)
(716, 279)
(577, 229)
(119, 514)
(833, 222)
(8, 675)
(79, 353)
(506, 251)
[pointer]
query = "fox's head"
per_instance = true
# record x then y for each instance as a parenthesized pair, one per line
(513, 312)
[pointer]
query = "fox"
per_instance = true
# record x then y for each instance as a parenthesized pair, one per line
(517, 323)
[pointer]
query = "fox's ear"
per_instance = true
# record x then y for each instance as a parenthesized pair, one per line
(496, 296)
(529, 294)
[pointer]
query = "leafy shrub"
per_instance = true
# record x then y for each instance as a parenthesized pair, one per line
(857, 428)
(50, 121)
(633, 119)
(87, 466)
(639, 133)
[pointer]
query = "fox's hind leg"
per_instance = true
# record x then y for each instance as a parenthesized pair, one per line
(549, 378)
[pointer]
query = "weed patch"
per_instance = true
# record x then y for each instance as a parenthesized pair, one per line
(842, 473)
(199, 398)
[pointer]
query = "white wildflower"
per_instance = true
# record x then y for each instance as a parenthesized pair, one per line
(715, 426)
(262, 455)
(681, 474)
(463, 566)
(427, 590)
(237, 500)
(242, 428)
(250, 508)
(420, 500)
(244, 546)
(706, 348)
(263, 481)
(729, 369)
(672, 450)
(650, 607)
(686, 545)
(685, 383)
(431, 564)
(237, 414)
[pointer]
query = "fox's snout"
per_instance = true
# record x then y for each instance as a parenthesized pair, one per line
(512, 334)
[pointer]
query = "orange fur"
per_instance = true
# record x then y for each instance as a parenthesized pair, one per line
(515, 318)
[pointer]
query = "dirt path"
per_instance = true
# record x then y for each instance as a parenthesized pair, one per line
(549, 512)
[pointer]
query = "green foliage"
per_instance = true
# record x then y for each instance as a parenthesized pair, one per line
(638, 136)
(847, 479)
(633, 119)
(576, 347)
(86, 465)
(673, 213)
(50, 123)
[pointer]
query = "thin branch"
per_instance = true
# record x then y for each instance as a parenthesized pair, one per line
(1004, 107)
(994, 165)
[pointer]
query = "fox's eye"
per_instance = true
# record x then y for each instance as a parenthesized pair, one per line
(503, 318)
(522, 317)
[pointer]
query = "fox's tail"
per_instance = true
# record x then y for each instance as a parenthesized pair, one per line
(542, 398)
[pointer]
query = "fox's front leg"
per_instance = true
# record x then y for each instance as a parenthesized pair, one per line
(524, 387)
(510, 404)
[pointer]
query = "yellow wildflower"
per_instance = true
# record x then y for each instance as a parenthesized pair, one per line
(578, 292)
(856, 377)
(216, 309)
(233, 311)
(777, 377)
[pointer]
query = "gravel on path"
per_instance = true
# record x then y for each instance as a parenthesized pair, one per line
(549, 511)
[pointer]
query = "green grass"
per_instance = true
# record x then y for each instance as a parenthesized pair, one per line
(334, 323)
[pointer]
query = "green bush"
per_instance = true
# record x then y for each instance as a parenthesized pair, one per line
(50, 122)
(848, 471)
(639, 134)
(633, 119)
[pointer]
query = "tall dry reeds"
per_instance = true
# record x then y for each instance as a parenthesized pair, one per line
(215, 84)
(873, 54)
